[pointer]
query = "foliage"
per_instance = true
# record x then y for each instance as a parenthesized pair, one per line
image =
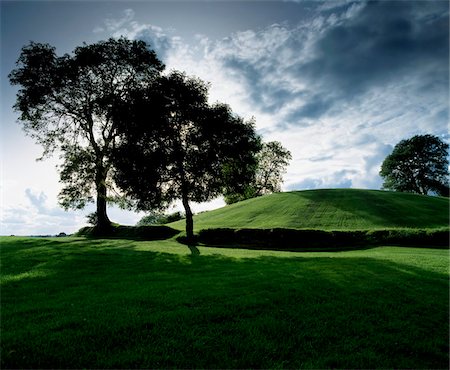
(417, 165)
(174, 145)
(126, 304)
(320, 240)
(272, 161)
(172, 217)
(92, 219)
(150, 219)
(159, 218)
(66, 103)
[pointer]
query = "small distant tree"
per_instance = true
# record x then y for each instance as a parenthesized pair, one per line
(159, 218)
(172, 217)
(92, 219)
(417, 165)
(66, 102)
(151, 218)
(183, 155)
(273, 160)
(271, 163)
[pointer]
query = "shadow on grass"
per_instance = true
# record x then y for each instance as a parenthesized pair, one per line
(194, 250)
(115, 307)
(138, 233)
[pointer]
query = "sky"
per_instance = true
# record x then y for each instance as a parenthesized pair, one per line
(338, 83)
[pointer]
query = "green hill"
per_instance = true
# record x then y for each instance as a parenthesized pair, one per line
(329, 209)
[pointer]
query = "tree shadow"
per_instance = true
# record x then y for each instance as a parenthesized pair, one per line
(194, 250)
(137, 233)
(153, 309)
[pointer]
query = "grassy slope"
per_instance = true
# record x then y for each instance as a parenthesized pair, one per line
(84, 303)
(335, 209)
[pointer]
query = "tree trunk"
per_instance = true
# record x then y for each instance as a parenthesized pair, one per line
(103, 222)
(189, 219)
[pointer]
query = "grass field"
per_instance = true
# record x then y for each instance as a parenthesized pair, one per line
(332, 209)
(85, 303)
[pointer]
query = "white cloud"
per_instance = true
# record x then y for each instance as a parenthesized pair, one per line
(35, 216)
(115, 25)
(160, 40)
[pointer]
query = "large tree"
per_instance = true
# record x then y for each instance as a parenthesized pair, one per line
(66, 102)
(417, 165)
(271, 163)
(185, 154)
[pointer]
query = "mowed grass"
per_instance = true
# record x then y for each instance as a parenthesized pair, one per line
(85, 303)
(329, 209)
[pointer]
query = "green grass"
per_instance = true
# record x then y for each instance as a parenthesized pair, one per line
(86, 303)
(333, 209)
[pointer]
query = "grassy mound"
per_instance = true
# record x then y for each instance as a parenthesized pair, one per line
(329, 209)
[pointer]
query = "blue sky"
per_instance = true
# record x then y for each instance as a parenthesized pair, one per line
(339, 83)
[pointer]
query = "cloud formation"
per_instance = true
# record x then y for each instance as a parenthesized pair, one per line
(339, 58)
(35, 214)
(381, 43)
(37, 201)
(126, 26)
(338, 89)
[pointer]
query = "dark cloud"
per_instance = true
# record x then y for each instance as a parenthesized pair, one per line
(314, 107)
(385, 41)
(250, 74)
(259, 60)
(269, 97)
(346, 52)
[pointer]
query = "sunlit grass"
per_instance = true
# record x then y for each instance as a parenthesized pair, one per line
(86, 303)
(329, 209)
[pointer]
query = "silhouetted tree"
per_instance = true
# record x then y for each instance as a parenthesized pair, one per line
(272, 161)
(417, 165)
(91, 218)
(183, 154)
(441, 189)
(66, 102)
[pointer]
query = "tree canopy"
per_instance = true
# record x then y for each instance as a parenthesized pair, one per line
(417, 165)
(271, 163)
(67, 102)
(185, 150)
